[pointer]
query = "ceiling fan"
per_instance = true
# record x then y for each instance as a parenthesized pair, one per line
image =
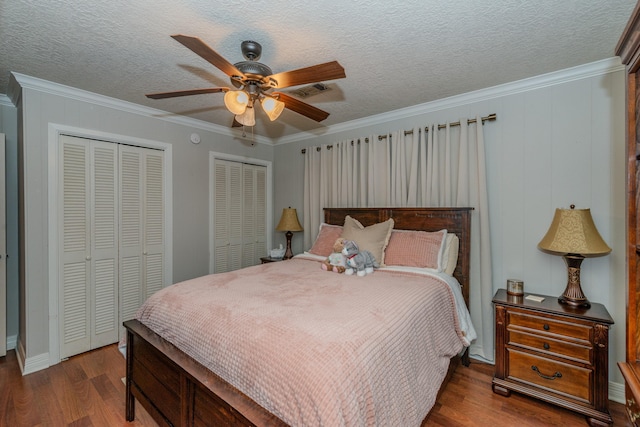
(255, 82)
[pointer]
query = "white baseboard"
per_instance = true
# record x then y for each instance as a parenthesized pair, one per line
(20, 355)
(31, 364)
(616, 392)
(35, 363)
(12, 342)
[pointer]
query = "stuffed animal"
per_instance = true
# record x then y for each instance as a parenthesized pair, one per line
(359, 262)
(336, 261)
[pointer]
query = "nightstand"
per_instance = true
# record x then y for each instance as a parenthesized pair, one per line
(267, 259)
(554, 352)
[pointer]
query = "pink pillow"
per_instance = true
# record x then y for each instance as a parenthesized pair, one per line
(327, 236)
(416, 249)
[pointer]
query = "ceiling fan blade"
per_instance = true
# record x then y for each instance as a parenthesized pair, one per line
(205, 52)
(300, 107)
(316, 73)
(162, 95)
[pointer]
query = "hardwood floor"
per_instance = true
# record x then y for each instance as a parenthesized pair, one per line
(87, 390)
(469, 401)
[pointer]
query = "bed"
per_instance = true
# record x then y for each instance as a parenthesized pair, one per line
(179, 387)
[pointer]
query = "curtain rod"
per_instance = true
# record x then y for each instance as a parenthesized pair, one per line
(490, 117)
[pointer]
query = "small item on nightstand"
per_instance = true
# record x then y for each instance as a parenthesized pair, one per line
(515, 287)
(277, 253)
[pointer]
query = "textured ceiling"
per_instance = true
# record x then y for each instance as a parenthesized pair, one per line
(395, 54)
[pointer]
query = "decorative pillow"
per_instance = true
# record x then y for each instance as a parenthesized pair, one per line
(373, 238)
(327, 236)
(416, 249)
(450, 256)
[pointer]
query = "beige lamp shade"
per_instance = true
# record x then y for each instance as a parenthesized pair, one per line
(248, 118)
(573, 231)
(272, 107)
(236, 101)
(289, 221)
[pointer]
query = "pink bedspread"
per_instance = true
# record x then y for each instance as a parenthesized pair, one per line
(313, 347)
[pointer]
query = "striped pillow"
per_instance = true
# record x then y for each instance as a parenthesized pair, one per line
(416, 249)
(327, 237)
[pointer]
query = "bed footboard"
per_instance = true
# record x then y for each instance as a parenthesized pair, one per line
(178, 391)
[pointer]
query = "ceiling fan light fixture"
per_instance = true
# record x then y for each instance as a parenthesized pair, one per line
(252, 79)
(248, 118)
(236, 101)
(272, 107)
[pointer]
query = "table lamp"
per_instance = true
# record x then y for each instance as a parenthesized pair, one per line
(289, 222)
(574, 236)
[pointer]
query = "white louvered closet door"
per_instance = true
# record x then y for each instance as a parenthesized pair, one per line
(153, 214)
(239, 215)
(89, 246)
(254, 239)
(142, 224)
(111, 238)
(228, 216)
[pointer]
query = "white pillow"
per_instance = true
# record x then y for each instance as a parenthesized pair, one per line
(450, 255)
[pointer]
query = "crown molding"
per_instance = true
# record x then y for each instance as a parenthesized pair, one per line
(592, 69)
(34, 83)
(584, 71)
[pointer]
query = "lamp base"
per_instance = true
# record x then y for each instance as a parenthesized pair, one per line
(573, 294)
(288, 254)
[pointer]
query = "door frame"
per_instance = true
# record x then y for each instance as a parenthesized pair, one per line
(213, 156)
(3, 249)
(54, 132)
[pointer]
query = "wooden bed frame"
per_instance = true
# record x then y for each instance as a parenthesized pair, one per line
(178, 391)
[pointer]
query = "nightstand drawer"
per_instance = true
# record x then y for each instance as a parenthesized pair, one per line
(550, 326)
(574, 351)
(570, 380)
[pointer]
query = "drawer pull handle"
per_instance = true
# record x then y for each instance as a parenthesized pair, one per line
(545, 327)
(546, 377)
(546, 346)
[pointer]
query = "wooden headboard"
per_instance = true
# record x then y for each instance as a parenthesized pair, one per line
(455, 220)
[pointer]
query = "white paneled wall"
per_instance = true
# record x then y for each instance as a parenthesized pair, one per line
(558, 140)
(554, 147)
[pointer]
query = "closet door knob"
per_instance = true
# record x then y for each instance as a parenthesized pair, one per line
(88, 258)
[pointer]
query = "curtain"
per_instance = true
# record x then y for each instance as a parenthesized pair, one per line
(427, 166)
